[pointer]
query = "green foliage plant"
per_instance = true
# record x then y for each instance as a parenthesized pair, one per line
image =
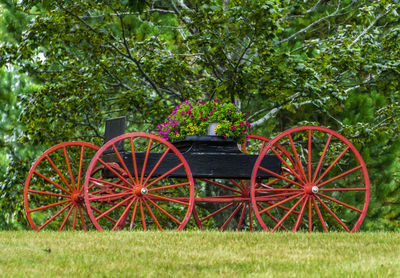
(193, 118)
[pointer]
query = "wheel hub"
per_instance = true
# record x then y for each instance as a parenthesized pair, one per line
(140, 191)
(311, 189)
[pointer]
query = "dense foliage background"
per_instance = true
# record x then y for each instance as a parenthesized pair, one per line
(66, 66)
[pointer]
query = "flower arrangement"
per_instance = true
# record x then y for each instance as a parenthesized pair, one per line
(193, 118)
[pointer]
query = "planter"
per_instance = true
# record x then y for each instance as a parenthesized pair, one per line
(206, 144)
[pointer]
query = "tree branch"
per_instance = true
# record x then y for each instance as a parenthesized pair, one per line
(367, 29)
(337, 12)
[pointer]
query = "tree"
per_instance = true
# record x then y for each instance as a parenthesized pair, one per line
(285, 63)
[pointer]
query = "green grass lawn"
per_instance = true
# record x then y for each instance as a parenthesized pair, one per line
(199, 254)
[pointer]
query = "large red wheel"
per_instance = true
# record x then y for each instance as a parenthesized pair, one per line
(53, 193)
(145, 183)
(327, 187)
(224, 204)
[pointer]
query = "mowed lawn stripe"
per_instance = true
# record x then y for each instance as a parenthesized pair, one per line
(198, 254)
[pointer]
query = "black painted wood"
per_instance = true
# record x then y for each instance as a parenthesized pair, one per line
(204, 165)
(207, 156)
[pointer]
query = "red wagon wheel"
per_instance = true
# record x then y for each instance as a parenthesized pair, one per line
(53, 192)
(224, 204)
(327, 187)
(146, 183)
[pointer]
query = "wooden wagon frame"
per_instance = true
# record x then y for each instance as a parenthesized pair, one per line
(306, 178)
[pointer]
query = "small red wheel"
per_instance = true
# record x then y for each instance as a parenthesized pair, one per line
(325, 188)
(146, 183)
(53, 192)
(225, 204)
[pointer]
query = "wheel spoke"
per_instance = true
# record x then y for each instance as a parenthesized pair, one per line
(241, 217)
(272, 217)
(98, 182)
(250, 220)
(54, 216)
(69, 168)
(156, 166)
(108, 196)
(333, 214)
(288, 213)
(339, 202)
(48, 193)
(279, 190)
(309, 155)
(280, 177)
(169, 186)
(82, 219)
(300, 216)
(342, 189)
(309, 215)
(152, 215)
(142, 215)
(115, 172)
(292, 171)
(133, 215)
(59, 173)
(123, 215)
(322, 157)
(230, 217)
(283, 207)
(168, 199)
(52, 182)
(106, 216)
(221, 185)
(123, 164)
(145, 161)
(216, 212)
(49, 206)
(78, 184)
(66, 218)
(74, 218)
(163, 211)
(339, 176)
(279, 203)
(237, 185)
(165, 174)
(333, 164)
(114, 207)
(319, 215)
(134, 160)
(297, 157)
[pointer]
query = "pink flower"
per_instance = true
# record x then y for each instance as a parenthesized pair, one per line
(201, 118)
(210, 112)
(214, 108)
(183, 113)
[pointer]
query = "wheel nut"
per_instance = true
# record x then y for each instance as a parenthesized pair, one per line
(144, 191)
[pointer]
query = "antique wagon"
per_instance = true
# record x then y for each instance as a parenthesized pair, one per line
(307, 178)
